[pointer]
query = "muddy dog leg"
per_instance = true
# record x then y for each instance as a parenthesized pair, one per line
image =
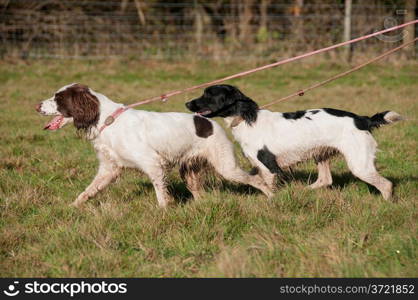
(324, 175)
(192, 174)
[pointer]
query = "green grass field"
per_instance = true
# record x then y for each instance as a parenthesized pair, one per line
(345, 230)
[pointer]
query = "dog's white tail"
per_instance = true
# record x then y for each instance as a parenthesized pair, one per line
(383, 118)
(392, 117)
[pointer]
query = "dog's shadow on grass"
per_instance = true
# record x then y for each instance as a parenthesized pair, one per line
(178, 189)
(182, 195)
(340, 181)
(179, 192)
(236, 188)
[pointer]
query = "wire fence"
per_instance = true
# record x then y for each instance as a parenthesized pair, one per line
(194, 29)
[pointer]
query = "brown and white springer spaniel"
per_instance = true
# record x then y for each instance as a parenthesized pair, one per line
(149, 141)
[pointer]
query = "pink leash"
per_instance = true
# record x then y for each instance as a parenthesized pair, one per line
(335, 77)
(164, 97)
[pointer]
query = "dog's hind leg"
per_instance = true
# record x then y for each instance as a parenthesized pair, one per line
(360, 160)
(371, 176)
(192, 174)
(378, 181)
(324, 175)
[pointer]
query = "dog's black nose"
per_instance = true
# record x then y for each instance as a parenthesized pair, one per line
(189, 105)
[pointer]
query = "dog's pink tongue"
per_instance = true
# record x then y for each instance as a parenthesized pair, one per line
(55, 123)
(204, 113)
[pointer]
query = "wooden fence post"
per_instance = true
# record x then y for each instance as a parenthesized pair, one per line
(347, 28)
(409, 31)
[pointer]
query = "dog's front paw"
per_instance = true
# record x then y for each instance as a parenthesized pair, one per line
(74, 204)
(269, 193)
(263, 186)
(80, 200)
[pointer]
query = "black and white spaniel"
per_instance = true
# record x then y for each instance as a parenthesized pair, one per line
(273, 140)
(149, 141)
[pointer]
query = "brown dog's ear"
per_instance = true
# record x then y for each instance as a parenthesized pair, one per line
(78, 102)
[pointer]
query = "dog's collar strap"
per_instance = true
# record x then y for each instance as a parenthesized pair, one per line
(236, 121)
(110, 119)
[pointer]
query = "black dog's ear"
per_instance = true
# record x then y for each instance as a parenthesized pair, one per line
(248, 110)
(246, 107)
